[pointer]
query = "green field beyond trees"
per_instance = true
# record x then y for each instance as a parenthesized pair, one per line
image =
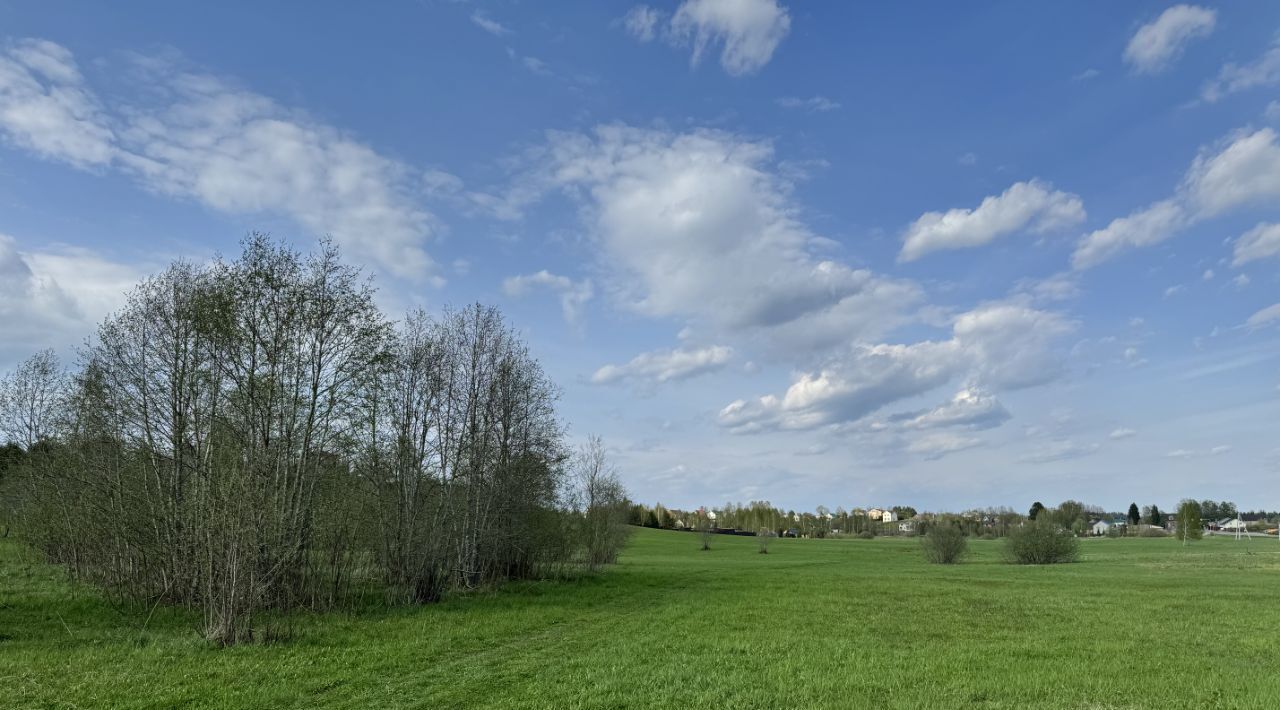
(814, 623)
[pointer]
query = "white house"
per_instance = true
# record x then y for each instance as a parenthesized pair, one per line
(907, 526)
(888, 516)
(875, 514)
(1100, 528)
(1233, 525)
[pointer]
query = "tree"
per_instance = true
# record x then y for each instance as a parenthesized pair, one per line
(1036, 509)
(1134, 516)
(763, 537)
(944, 544)
(1041, 542)
(602, 502)
(1189, 525)
(30, 400)
(1156, 517)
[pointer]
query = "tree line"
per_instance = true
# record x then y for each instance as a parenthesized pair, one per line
(254, 435)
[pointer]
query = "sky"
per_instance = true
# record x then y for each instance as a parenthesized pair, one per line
(945, 255)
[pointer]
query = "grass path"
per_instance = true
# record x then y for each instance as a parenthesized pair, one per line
(815, 623)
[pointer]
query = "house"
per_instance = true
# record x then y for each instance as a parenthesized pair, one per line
(1102, 527)
(907, 526)
(888, 516)
(875, 514)
(1232, 525)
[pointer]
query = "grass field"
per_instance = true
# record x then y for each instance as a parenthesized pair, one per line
(815, 623)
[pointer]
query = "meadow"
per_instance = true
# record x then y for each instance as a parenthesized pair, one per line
(1137, 623)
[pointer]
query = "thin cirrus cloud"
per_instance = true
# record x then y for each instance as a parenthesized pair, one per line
(488, 24)
(1243, 170)
(1033, 205)
(574, 295)
(1264, 317)
(820, 104)
(747, 31)
(199, 137)
(666, 365)
(1157, 44)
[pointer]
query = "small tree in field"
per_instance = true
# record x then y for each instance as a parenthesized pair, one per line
(705, 532)
(1134, 516)
(944, 545)
(1036, 509)
(763, 537)
(1041, 542)
(1189, 526)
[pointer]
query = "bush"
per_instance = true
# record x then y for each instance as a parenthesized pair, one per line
(1041, 542)
(1153, 532)
(866, 535)
(944, 545)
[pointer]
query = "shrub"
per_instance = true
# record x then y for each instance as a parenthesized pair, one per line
(1153, 532)
(944, 545)
(763, 537)
(1041, 542)
(866, 535)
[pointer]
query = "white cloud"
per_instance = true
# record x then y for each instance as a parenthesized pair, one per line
(484, 22)
(1034, 206)
(1121, 433)
(699, 226)
(1197, 453)
(1245, 170)
(573, 295)
(1159, 43)
(1207, 275)
(52, 297)
(198, 137)
(1264, 317)
(1261, 242)
(1149, 226)
(641, 22)
(749, 30)
(667, 365)
(811, 104)
(1234, 78)
(969, 408)
(1174, 290)
(1241, 281)
(1000, 346)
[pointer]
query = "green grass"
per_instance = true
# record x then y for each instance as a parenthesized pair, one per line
(815, 623)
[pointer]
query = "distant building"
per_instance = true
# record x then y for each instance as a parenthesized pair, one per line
(907, 526)
(875, 514)
(888, 516)
(1232, 524)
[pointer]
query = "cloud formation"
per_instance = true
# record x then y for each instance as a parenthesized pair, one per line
(666, 365)
(1033, 206)
(747, 31)
(1261, 242)
(194, 136)
(1244, 170)
(1157, 44)
(573, 295)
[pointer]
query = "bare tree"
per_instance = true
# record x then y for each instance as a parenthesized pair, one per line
(31, 399)
(602, 503)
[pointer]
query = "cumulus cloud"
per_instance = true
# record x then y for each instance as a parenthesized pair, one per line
(969, 408)
(1000, 346)
(195, 136)
(747, 31)
(667, 365)
(811, 104)
(1234, 78)
(1157, 44)
(1145, 227)
(1033, 206)
(1243, 170)
(642, 22)
(700, 226)
(573, 295)
(1261, 242)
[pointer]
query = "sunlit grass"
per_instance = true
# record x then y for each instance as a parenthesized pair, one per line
(814, 623)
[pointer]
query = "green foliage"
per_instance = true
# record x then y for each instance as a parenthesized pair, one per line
(1189, 525)
(1134, 515)
(1041, 542)
(944, 545)
(1036, 509)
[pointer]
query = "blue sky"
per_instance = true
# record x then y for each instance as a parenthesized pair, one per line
(945, 255)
